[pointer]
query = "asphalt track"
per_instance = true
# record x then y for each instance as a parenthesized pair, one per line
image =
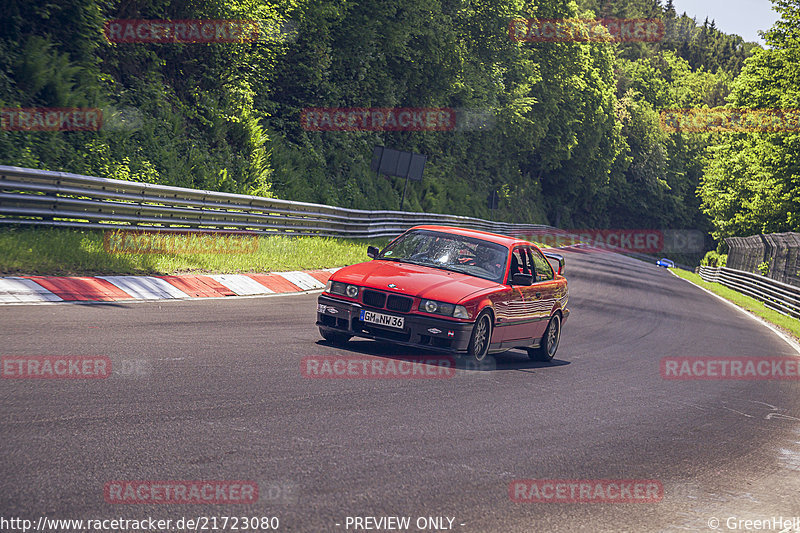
(216, 393)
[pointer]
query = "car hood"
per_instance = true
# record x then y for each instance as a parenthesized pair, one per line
(413, 280)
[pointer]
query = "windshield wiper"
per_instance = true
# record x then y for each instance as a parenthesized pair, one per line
(399, 260)
(452, 269)
(428, 264)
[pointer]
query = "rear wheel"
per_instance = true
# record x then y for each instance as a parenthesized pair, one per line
(334, 338)
(481, 336)
(549, 343)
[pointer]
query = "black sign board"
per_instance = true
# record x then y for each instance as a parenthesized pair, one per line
(416, 166)
(396, 163)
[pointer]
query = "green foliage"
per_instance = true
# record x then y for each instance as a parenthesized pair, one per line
(573, 138)
(705, 47)
(763, 268)
(752, 180)
(714, 259)
(62, 251)
(195, 124)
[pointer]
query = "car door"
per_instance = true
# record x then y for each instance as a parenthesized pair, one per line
(524, 309)
(544, 291)
(506, 303)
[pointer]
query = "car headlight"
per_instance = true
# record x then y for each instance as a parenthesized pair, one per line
(442, 308)
(351, 291)
(337, 287)
(328, 286)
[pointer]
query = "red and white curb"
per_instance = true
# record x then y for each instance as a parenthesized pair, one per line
(37, 289)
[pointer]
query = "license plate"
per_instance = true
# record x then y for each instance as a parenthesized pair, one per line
(379, 319)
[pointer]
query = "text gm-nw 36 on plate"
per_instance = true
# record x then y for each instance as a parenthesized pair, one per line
(381, 319)
(450, 289)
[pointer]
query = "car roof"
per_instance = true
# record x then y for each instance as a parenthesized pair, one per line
(476, 234)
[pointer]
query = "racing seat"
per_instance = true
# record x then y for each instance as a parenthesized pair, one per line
(524, 255)
(514, 267)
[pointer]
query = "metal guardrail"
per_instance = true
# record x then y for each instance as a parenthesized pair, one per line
(776, 295)
(45, 198)
(780, 251)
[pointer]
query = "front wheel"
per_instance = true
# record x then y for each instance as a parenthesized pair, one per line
(549, 343)
(481, 336)
(334, 338)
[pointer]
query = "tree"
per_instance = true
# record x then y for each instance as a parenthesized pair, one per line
(752, 183)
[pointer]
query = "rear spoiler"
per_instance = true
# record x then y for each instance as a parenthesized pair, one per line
(556, 257)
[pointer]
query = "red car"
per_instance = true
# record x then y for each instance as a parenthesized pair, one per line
(450, 289)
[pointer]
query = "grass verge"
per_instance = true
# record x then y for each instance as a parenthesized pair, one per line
(789, 325)
(65, 252)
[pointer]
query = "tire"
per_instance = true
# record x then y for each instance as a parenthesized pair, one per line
(481, 337)
(549, 343)
(334, 338)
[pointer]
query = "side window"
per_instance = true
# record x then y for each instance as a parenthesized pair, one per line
(516, 263)
(521, 263)
(544, 271)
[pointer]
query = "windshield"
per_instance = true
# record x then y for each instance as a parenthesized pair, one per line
(475, 257)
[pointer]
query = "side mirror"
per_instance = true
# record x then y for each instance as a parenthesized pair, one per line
(373, 251)
(521, 279)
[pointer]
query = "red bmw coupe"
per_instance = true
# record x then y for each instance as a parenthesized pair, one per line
(450, 289)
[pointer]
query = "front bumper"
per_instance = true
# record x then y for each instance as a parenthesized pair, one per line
(439, 334)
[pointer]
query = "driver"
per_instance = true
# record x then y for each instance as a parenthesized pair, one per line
(490, 260)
